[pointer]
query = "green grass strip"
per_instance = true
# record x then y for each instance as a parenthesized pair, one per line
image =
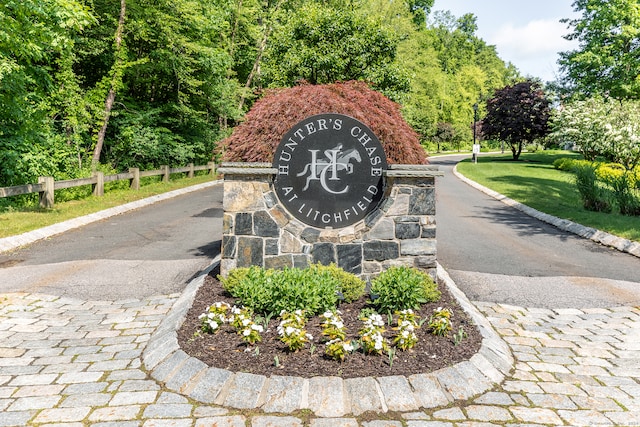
(534, 182)
(14, 221)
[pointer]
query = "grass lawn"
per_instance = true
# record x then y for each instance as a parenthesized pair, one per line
(534, 182)
(20, 220)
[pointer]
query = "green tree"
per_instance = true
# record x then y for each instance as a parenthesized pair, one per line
(607, 60)
(601, 127)
(177, 91)
(517, 114)
(36, 46)
(322, 44)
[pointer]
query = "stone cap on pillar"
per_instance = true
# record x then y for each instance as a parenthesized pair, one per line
(263, 168)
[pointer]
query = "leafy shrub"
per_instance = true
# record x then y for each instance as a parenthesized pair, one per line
(565, 164)
(256, 138)
(624, 193)
(401, 288)
(237, 275)
(294, 289)
(270, 292)
(351, 287)
(593, 196)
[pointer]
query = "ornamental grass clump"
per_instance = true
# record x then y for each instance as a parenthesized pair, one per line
(292, 330)
(401, 288)
(371, 334)
(406, 337)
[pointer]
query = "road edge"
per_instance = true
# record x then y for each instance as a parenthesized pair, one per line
(598, 236)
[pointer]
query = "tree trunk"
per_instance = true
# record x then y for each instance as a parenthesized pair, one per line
(516, 149)
(111, 96)
(261, 48)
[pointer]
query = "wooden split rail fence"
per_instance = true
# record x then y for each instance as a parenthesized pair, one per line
(46, 185)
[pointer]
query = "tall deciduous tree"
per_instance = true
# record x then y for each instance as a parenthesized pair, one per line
(116, 82)
(517, 114)
(607, 60)
(320, 43)
(36, 41)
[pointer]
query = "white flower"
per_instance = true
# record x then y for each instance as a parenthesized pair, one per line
(245, 322)
(258, 328)
(347, 346)
(309, 337)
(246, 332)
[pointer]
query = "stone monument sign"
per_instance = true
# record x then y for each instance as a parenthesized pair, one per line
(329, 197)
(329, 171)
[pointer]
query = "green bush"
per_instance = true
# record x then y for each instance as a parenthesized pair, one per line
(565, 164)
(268, 292)
(351, 287)
(237, 275)
(593, 196)
(401, 288)
(624, 193)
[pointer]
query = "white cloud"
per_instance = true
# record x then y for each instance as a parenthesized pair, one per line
(534, 47)
(539, 37)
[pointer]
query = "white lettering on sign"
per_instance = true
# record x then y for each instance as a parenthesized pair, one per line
(330, 170)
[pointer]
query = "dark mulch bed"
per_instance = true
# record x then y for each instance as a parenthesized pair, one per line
(226, 350)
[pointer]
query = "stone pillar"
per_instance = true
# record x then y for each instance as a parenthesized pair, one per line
(257, 230)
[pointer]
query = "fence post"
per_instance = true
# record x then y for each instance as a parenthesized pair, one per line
(212, 168)
(165, 174)
(134, 183)
(191, 171)
(46, 197)
(98, 187)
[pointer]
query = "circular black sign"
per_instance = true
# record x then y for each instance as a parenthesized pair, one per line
(330, 169)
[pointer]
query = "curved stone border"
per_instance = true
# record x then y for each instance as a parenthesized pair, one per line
(13, 242)
(598, 236)
(325, 396)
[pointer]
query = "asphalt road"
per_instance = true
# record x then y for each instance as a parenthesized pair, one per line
(493, 252)
(496, 253)
(153, 250)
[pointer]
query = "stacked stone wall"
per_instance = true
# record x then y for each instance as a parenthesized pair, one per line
(257, 230)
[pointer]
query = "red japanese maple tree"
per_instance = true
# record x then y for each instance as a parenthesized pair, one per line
(256, 139)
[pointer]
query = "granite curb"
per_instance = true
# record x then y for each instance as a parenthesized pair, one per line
(598, 236)
(325, 396)
(14, 242)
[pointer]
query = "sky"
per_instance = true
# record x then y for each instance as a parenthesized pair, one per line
(526, 33)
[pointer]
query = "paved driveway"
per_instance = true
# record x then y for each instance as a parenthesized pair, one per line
(496, 253)
(153, 250)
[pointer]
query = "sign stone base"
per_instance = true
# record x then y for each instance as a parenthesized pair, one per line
(258, 230)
